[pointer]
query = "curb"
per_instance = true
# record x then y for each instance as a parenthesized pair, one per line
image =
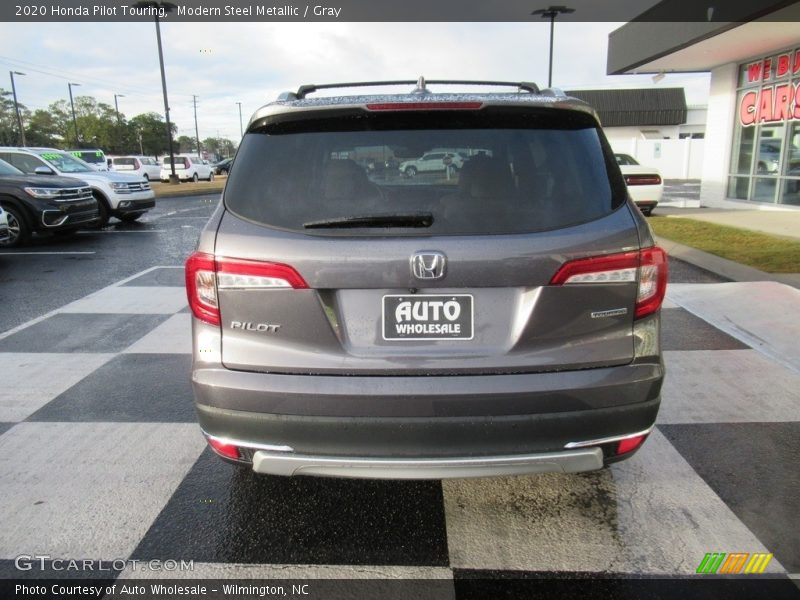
(724, 267)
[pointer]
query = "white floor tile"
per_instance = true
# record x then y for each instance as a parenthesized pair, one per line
(31, 380)
(131, 300)
(727, 386)
(88, 490)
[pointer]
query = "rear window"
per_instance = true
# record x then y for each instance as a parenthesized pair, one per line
(426, 174)
(180, 162)
(125, 162)
(90, 156)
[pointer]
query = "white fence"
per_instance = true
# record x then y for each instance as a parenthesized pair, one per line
(674, 158)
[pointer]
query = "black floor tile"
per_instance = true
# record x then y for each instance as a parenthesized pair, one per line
(129, 388)
(753, 467)
(221, 513)
(480, 585)
(159, 277)
(681, 330)
(683, 272)
(5, 427)
(78, 332)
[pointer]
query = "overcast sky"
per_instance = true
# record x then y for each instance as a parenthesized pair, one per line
(225, 63)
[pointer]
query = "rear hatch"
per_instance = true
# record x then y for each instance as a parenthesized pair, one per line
(327, 265)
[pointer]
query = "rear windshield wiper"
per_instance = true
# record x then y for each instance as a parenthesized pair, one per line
(390, 220)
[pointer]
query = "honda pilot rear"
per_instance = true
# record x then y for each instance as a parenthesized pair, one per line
(500, 318)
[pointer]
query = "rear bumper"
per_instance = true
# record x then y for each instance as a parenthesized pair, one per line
(570, 461)
(427, 427)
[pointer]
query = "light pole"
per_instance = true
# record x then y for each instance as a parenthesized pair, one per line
(116, 104)
(158, 8)
(241, 130)
(551, 12)
(72, 104)
(16, 106)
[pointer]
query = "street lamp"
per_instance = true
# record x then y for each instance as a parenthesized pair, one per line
(16, 106)
(551, 12)
(159, 8)
(72, 104)
(241, 130)
(116, 105)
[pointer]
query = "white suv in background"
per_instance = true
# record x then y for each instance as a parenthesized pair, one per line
(187, 168)
(126, 197)
(144, 166)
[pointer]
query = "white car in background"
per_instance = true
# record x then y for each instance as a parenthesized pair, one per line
(644, 183)
(187, 168)
(144, 166)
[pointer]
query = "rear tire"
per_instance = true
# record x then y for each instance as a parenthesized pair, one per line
(18, 230)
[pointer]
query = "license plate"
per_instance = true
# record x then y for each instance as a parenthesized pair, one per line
(427, 317)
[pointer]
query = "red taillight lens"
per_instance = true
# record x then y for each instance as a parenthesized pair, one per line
(652, 281)
(201, 287)
(205, 275)
(223, 448)
(424, 106)
(630, 444)
(648, 267)
(642, 179)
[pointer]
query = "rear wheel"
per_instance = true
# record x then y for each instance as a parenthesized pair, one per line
(18, 229)
(647, 211)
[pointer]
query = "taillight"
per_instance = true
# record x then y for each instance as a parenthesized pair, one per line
(642, 179)
(424, 106)
(205, 275)
(648, 267)
(630, 444)
(224, 448)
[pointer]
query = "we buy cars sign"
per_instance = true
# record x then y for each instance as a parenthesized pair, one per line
(772, 103)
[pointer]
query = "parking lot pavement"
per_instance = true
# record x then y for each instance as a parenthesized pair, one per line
(100, 457)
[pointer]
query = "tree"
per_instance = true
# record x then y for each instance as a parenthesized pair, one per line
(43, 129)
(222, 147)
(152, 130)
(9, 128)
(187, 144)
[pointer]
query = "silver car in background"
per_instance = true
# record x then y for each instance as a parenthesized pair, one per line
(500, 320)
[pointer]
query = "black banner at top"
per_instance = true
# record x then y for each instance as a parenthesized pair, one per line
(715, 11)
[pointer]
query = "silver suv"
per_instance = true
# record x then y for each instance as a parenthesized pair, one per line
(504, 320)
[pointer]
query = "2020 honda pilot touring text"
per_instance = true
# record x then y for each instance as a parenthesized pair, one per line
(499, 319)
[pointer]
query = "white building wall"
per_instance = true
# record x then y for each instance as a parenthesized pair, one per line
(719, 134)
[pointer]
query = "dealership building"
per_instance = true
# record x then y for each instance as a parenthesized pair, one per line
(752, 134)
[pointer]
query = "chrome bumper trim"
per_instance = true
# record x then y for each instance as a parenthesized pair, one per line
(609, 440)
(573, 461)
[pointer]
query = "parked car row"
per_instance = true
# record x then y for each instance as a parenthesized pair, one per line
(45, 189)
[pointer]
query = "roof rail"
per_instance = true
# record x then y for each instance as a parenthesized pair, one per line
(304, 90)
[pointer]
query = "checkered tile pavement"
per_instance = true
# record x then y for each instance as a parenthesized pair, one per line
(100, 457)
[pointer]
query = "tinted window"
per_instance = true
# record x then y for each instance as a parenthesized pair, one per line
(625, 159)
(7, 169)
(89, 156)
(128, 162)
(520, 173)
(24, 162)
